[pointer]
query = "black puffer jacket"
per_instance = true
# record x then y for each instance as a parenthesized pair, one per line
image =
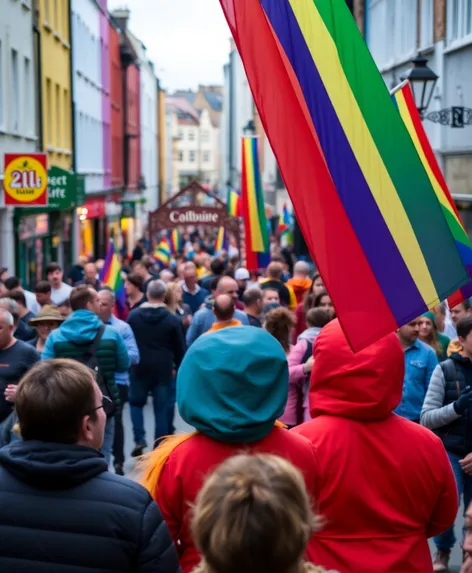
(62, 512)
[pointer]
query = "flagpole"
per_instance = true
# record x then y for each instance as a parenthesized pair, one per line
(399, 87)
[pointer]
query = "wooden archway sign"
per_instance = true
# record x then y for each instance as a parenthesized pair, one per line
(170, 215)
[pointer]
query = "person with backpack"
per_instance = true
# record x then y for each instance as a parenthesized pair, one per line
(447, 410)
(83, 337)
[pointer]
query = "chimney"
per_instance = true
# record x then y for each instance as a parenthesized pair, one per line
(121, 17)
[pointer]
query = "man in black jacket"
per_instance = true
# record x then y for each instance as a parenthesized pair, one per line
(161, 345)
(61, 510)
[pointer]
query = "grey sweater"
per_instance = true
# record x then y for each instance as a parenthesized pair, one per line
(434, 414)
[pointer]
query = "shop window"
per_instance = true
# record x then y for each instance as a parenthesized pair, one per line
(15, 91)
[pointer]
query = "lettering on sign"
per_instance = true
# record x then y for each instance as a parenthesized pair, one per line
(25, 179)
(193, 217)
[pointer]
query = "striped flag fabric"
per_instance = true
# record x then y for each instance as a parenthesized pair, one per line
(163, 253)
(253, 209)
(233, 203)
(111, 276)
(175, 241)
(369, 214)
(222, 242)
(285, 226)
(403, 98)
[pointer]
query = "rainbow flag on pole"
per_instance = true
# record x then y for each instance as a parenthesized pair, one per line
(222, 242)
(111, 276)
(162, 253)
(403, 97)
(362, 197)
(285, 226)
(233, 203)
(175, 241)
(253, 208)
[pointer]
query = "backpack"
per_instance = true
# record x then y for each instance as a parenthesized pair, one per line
(87, 355)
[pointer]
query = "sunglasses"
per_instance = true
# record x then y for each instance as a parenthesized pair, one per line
(107, 405)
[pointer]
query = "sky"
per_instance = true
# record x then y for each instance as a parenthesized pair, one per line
(187, 40)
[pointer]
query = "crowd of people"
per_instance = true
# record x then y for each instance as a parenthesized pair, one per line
(305, 457)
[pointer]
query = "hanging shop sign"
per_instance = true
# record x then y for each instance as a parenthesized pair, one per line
(25, 179)
(62, 189)
(128, 209)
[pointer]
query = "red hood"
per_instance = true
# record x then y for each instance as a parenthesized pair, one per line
(363, 386)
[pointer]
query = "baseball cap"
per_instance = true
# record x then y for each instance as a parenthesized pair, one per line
(242, 275)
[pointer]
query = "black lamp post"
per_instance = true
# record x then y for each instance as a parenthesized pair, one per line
(422, 80)
(250, 128)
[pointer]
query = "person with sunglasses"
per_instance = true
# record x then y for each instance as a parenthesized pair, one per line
(62, 511)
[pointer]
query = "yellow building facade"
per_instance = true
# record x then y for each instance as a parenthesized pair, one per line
(56, 107)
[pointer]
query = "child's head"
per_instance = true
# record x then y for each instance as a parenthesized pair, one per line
(318, 317)
(253, 515)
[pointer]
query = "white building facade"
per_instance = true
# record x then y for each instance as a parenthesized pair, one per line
(149, 141)
(441, 30)
(18, 112)
(87, 94)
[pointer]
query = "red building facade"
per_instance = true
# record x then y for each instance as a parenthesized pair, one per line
(132, 129)
(117, 120)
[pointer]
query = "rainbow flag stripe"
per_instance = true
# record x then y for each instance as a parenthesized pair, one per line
(111, 276)
(162, 253)
(285, 225)
(253, 208)
(233, 203)
(221, 243)
(369, 211)
(403, 97)
(175, 241)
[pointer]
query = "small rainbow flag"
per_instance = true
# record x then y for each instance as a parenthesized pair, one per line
(403, 98)
(233, 203)
(111, 276)
(222, 242)
(369, 211)
(253, 208)
(162, 253)
(175, 241)
(285, 226)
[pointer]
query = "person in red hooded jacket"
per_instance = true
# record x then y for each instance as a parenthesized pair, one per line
(386, 484)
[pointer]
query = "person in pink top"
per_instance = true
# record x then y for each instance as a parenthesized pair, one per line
(280, 323)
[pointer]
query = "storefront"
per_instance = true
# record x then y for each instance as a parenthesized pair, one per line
(99, 220)
(46, 234)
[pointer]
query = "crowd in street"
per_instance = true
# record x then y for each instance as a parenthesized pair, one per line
(305, 456)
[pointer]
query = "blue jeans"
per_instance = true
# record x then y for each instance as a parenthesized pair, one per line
(446, 540)
(108, 439)
(138, 394)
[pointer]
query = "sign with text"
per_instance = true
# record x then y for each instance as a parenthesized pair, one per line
(62, 189)
(25, 179)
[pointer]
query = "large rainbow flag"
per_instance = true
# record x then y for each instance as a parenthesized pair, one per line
(403, 97)
(253, 209)
(175, 241)
(365, 204)
(111, 276)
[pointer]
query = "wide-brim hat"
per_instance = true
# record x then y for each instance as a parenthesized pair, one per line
(47, 313)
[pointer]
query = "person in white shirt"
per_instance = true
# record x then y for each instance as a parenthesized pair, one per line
(60, 291)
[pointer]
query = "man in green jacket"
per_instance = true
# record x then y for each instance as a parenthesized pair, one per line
(74, 338)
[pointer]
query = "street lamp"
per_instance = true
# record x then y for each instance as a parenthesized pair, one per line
(250, 128)
(422, 80)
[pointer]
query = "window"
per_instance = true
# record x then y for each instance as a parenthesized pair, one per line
(459, 19)
(58, 117)
(191, 156)
(191, 135)
(206, 157)
(48, 111)
(2, 84)
(181, 156)
(427, 23)
(65, 122)
(28, 101)
(47, 11)
(205, 135)
(180, 135)
(56, 15)
(15, 91)
(392, 30)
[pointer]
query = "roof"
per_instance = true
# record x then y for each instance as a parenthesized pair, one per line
(189, 95)
(182, 108)
(215, 100)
